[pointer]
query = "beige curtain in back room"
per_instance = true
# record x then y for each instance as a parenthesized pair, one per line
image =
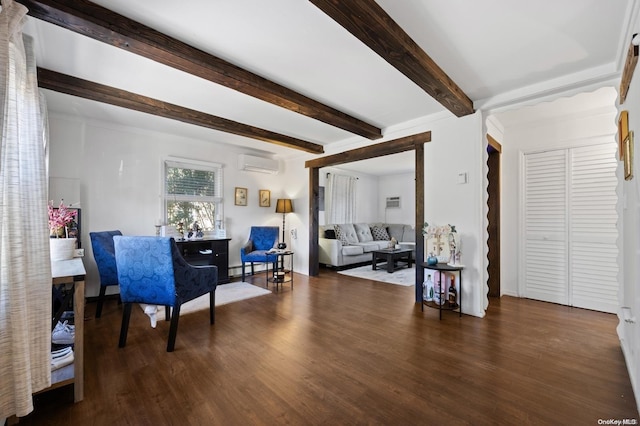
(25, 269)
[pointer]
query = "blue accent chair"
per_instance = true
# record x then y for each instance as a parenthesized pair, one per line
(151, 270)
(105, 257)
(261, 240)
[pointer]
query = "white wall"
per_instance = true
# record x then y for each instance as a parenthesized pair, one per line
(120, 172)
(400, 185)
(558, 131)
(455, 147)
(629, 294)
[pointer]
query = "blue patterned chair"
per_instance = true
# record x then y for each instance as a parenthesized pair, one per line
(261, 240)
(105, 257)
(152, 271)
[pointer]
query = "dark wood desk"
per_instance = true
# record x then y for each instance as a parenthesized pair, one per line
(209, 251)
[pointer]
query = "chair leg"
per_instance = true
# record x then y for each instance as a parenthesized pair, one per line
(124, 328)
(252, 271)
(103, 290)
(212, 307)
(173, 329)
(242, 271)
(167, 312)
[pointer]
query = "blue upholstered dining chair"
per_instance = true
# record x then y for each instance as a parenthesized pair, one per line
(151, 270)
(261, 240)
(105, 257)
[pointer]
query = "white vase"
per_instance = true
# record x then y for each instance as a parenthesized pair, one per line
(62, 248)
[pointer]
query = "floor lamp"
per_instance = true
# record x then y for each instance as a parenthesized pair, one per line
(284, 206)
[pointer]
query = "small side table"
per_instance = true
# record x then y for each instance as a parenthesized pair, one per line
(280, 274)
(444, 267)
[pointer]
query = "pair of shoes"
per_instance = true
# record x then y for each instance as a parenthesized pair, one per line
(63, 334)
(67, 315)
(151, 311)
(61, 358)
(57, 353)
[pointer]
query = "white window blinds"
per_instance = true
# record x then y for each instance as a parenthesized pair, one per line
(193, 181)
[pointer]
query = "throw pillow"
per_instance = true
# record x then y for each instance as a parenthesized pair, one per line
(330, 234)
(340, 235)
(348, 233)
(380, 233)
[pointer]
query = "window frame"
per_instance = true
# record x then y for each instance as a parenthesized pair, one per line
(185, 163)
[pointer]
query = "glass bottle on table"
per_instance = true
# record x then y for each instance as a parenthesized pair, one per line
(427, 289)
(453, 293)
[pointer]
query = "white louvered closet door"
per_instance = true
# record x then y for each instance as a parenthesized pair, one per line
(593, 233)
(570, 253)
(545, 227)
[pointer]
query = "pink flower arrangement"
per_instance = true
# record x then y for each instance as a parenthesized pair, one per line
(60, 219)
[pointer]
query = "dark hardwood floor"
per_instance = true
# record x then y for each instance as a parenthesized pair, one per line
(341, 350)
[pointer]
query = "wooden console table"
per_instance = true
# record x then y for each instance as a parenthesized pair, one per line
(213, 251)
(72, 272)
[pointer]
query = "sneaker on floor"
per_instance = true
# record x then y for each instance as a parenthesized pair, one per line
(63, 334)
(151, 311)
(67, 315)
(62, 361)
(60, 352)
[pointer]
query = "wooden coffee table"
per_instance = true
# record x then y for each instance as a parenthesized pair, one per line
(395, 258)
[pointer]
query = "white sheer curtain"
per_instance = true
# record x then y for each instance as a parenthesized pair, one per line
(340, 199)
(25, 269)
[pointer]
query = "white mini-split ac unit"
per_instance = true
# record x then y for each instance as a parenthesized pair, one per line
(252, 163)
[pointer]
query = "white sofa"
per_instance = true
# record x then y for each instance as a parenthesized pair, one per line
(359, 240)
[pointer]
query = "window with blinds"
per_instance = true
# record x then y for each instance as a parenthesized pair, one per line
(192, 192)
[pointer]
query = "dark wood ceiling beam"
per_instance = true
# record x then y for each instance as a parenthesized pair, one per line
(368, 22)
(70, 85)
(407, 143)
(104, 25)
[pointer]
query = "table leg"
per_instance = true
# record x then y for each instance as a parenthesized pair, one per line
(389, 263)
(78, 363)
(440, 293)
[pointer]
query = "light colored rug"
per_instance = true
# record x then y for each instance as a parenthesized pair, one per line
(225, 293)
(405, 277)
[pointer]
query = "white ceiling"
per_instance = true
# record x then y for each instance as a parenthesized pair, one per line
(498, 51)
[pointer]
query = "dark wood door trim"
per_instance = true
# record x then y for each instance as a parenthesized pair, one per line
(494, 150)
(414, 142)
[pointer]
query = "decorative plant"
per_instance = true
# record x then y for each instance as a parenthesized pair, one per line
(60, 219)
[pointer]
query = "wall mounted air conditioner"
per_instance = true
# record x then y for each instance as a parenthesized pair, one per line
(393, 202)
(251, 163)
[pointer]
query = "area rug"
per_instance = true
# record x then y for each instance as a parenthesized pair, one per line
(405, 277)
(225, 293)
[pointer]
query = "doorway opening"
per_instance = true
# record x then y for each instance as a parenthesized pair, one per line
(408, 143)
